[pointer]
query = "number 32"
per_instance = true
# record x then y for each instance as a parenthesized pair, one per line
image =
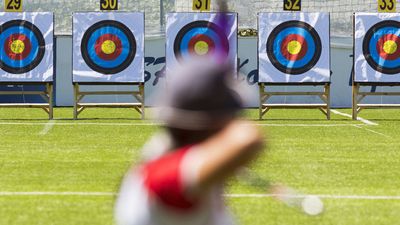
(290, 5)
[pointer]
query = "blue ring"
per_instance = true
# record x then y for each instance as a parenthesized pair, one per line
(184, 46)
(34, 46)
(278, 45)
(124, 43)
(274, 45)
(373, 51)
(370, 52)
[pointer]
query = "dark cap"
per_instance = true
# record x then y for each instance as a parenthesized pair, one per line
(200, 96)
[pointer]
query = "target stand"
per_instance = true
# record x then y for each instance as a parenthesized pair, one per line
(358, 97)
(26, 57)
(46, 94)
(265, 95)
(108, 50)
(293, 50)
(376, 58)
(138, 94)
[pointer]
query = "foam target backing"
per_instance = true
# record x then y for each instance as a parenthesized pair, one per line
(196, 35)
(294, 47)
(377, 47)
(108, 47)
(26, 53)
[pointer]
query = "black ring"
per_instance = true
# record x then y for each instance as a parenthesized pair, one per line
(125, 63)
(196, 24)
(310, 64)
(41, 47)
(366, 50)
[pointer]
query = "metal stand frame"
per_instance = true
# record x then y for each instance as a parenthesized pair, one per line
(358, 96)
(47, 95)
(138, 94)
(323, 107)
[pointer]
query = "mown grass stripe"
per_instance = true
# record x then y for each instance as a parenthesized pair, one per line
(323, 196)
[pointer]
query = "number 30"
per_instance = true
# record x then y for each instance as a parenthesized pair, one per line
(112, 4)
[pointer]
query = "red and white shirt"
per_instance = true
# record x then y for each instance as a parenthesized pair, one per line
(154, 195)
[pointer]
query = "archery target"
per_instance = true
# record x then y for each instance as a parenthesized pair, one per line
(294, 47)
(193, 35)
(108, 47)
(200, 38)
(377, 47)
(110, 50)
(27, 45)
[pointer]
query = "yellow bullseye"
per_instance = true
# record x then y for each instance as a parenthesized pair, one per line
(108, 47)
(17, 46)
(201, 48)
(294, 47)
(390, 47)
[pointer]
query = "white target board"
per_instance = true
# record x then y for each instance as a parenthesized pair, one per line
(294, 47)
(26, 53)
(377, 47)
(193, 35)
(108, 47)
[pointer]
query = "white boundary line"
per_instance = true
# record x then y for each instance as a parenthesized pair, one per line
(101, 194)
(53, 193)
(79, 124)
(358, 118)
(306, 125)
(323, 196)
(372, 131)
(160, 124)
(47, 127)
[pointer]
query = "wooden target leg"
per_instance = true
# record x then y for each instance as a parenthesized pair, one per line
(141, 90)
(76, 91)
(260, 108)
(50, 93)
(328, 100)
(354, 101)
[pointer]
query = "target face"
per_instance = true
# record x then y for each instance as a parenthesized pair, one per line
(294, 47)
(108, 47)
(381, 47)
(23, 46)
(201, 38)
(190, 36)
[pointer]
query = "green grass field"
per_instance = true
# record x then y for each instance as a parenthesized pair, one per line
(43, 166)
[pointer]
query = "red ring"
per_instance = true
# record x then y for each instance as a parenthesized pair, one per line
(294, 57)
(201, 37)
(108, 37)
(381, 42)
(17, 56)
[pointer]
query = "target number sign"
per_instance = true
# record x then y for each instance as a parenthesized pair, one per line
(292, 5)
(108, 4)
(13, 5)
(387, 5)
(202, 5)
